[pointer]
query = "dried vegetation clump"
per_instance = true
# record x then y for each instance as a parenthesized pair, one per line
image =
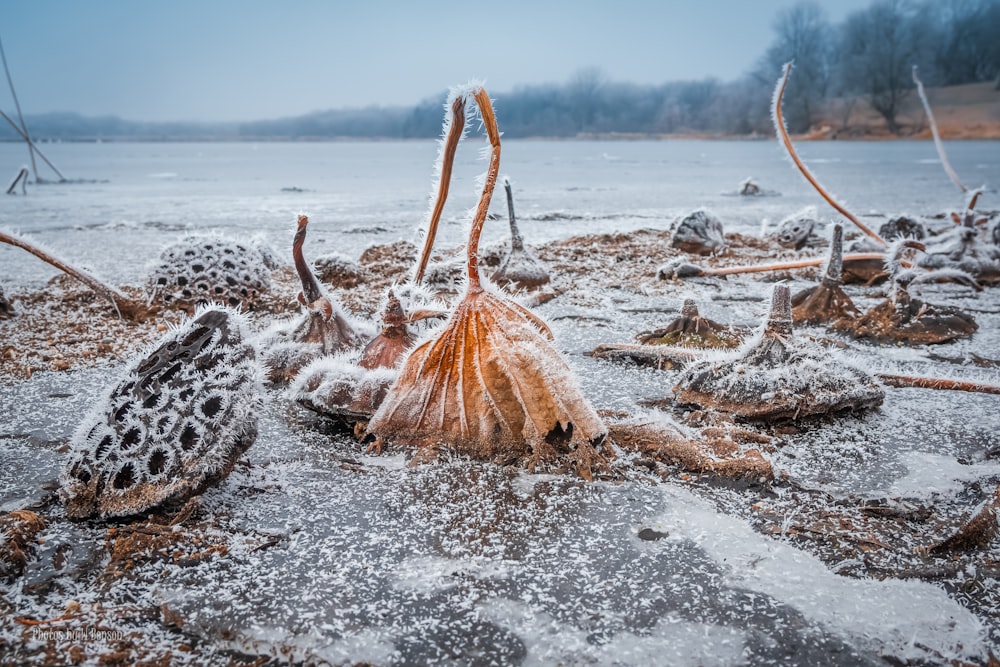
(19, 534)
(692, 330)
(778, 376)
(699, 233)
(65, 326)
(826, 303)
(722, 453)
(338, 271)
(174, 424)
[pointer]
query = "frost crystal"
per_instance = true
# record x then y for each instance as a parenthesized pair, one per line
(778, 377)
(173, 425)
(206, 269)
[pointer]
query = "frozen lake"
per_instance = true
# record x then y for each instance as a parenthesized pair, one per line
(357, 194)
(334, 557)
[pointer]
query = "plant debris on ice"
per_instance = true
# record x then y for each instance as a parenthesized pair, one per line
(865, 537)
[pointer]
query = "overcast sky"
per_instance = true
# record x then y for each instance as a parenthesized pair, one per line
(224, 60)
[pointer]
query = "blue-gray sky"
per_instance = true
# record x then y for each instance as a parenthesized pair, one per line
(225, 60)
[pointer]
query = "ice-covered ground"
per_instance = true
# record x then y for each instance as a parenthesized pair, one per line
(313, 551)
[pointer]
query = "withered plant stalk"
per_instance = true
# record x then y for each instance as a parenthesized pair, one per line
(937, 137)
(125, 306)
(937, 383)
(455, 133)
(779, 125)
(782, 266)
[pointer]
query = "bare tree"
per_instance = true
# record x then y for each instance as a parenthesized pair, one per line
(802, 36)
(584, 95)
(878, 47)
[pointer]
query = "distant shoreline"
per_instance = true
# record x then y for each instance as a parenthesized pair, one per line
(815, 135)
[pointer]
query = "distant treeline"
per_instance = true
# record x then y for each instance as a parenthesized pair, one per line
(867, 57)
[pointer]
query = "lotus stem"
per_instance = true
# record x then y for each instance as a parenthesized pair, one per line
(779, 124)
(934, 132)
(310, 287)
(835, 261)
(783, 266)
(472, 249)
(516, 241)
(937, 383)
(123, 305)
(779, 320)
(455, 132)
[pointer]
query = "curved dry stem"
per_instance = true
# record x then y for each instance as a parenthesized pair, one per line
(934, 132)
(310, 287)
(125, 306)
(779, 124)
(937, 383)
(472, 249)
(447, 161)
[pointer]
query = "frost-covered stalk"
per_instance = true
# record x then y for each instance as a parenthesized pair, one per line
(125, 306)
(782, 132)
(782, 266)
(937, 383)
(937, 137)
(835, 260)
(779, 321)
(516, 241)
(311, 291)
(482, 210)
(454, 124)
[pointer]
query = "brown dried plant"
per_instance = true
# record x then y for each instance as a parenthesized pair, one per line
(326, 324)
(826, 303)
(692, 330)
(489, 383)
(778, 376)
(937, 137)
(455, 130)
(123, 305)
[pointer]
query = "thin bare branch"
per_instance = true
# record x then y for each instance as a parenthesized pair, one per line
(934, 131)
(125, 306)
(783, 266)
(782, 131)
(937, 383)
